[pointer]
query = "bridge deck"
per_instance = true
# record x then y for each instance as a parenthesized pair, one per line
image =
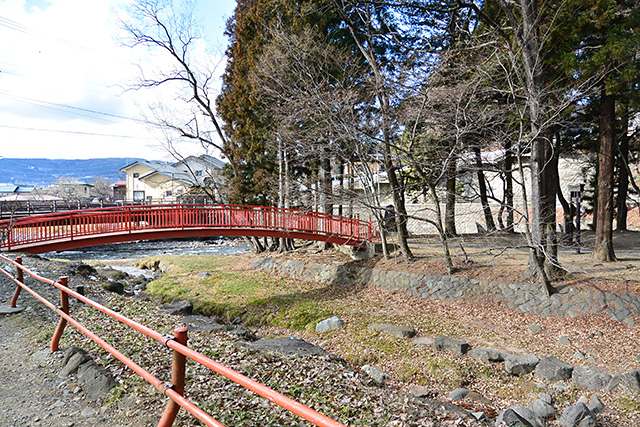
(75, 229)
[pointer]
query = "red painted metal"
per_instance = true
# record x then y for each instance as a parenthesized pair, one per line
(73, 229)
(177, 343)
(64, 307)
(177, 378)
(20, 277)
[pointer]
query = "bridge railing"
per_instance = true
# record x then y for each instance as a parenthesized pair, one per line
(129, 219)
(175, 390)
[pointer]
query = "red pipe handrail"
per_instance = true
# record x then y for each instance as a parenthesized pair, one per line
(178, 344)
(37, 230)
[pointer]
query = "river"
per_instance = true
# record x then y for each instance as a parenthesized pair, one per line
(118, 252)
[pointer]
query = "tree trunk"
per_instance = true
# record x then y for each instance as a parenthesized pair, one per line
(450, 207)
(603, 248)
(623, 181)
(508, 178)
(482, 184)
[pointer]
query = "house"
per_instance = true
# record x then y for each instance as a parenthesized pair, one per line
(73, 189)
(194, 179)
(11, 189)
(119, 191)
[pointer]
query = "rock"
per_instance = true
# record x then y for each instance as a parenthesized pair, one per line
(480, 416)
(398, 331)
(95, 381)
(110, 273)
(592, 360)
(595, 405)
(487, 355)
(80, 269)
(179, 307)
(88, 412)
(458, 394)
(73, 358)
(590, 378)
(288, 345)
(330, 324)
(519, 416)
(419, 391)
(564, 341)
(559, 387)
(545, 397)
(450, 344)
(582, 399)
(630, 383)
(534, 329)
(475, 396)
(577, 415)
(423, 341)
(115, 287)
(552, 369)
(579, 355)
(542, 408)
(7, 309)
(521, 364)
(376, 375)
(203, 275)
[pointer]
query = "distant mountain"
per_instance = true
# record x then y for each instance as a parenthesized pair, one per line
(43, 172)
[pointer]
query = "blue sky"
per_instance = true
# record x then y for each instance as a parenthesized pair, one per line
(63, 77)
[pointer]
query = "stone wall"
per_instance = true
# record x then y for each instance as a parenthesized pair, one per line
(524, 297)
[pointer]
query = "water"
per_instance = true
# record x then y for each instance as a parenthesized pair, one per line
(141, 249)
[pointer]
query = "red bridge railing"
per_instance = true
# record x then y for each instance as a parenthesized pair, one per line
(158, 221)
(175, 390)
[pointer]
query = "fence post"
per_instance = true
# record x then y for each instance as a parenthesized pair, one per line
(64, 306)
(20, 278)
(177, 378)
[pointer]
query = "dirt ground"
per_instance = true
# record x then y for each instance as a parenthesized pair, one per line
(504, 256)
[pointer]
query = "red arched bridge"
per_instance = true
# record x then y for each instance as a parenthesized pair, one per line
(89, 227)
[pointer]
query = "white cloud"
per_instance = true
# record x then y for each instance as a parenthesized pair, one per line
(65, 54)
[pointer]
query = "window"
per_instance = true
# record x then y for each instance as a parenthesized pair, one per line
(138, 196)
(136, 175)
(199, 173)
(168, 193)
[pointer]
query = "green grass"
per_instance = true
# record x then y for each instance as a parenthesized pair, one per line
(257, 298)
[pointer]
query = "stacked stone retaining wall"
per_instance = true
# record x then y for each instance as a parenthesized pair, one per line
(528, 298)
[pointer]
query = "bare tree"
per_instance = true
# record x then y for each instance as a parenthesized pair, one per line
(171, 29)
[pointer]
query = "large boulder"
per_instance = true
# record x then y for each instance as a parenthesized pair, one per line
(552, 369)
(542, 409)
(450, 344)
(487, 355)
(577, 415)
(73, 358)
(288, 345)
(179, 307)
(395, 330)
(94, 380)
(521, 364)
(519, 416)
(590, 377)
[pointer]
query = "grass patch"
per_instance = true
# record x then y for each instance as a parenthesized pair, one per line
(257, 298)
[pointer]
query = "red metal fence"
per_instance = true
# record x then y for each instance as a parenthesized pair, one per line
(174, 390)
(65, 230)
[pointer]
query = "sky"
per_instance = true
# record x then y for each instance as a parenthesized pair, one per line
(66, 78)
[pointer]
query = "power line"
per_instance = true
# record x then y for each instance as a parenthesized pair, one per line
(72, 132)
(70, 107)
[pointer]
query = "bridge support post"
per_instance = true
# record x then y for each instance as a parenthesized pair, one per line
(177, 378)
(64, 307)
(20, 278)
